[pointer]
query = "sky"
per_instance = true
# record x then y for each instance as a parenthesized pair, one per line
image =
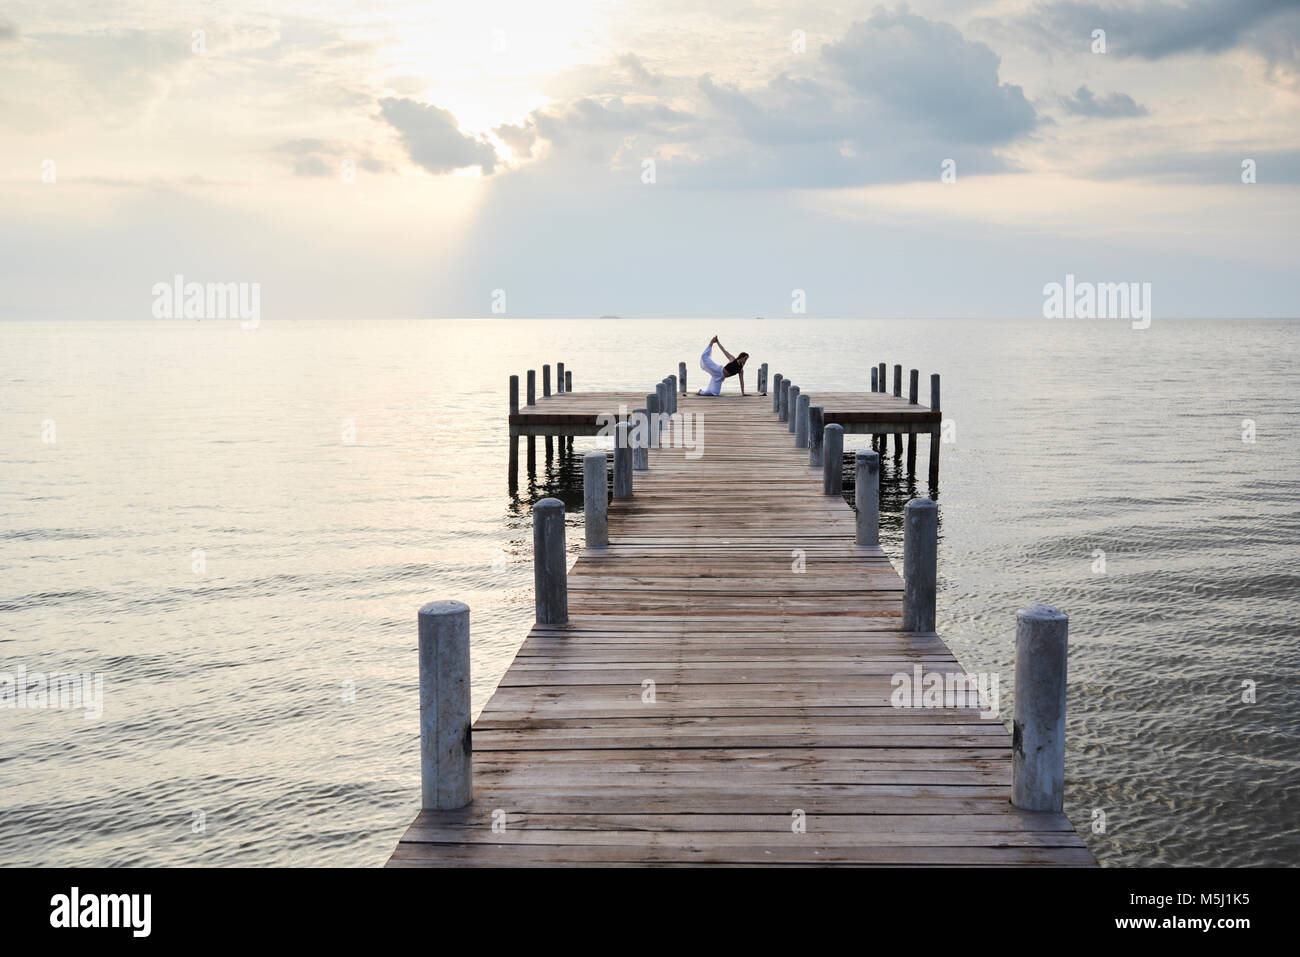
(364, 160)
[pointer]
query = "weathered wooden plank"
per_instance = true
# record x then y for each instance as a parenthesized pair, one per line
(772, 641)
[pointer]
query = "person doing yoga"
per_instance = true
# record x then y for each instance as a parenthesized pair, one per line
(717, 373)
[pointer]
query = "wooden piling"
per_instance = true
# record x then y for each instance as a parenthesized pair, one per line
(622, 462)
(792, 402)
(652, 410)
(568, 380)
(815, 426)
(595, 498)
(446, 768)
(514, 394)
(640, 438)
(550, 576)
(801, 421)
(776, 392)
(898, 393)
(785, 400)
(665, 408)
(559, 378)
(912, 397)
(936, 432)
(920, 563)
(546, 381)
(833, 460)
(1038, 735)
(532, 386)
(681, 376)
(866, 496)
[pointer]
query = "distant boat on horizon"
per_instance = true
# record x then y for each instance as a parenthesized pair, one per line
(611, 317)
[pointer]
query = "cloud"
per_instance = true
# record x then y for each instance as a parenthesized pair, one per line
(1210, 167)
(1156, 29)
(889, 101)
(519, 137)
(1083, 102)
(317, 157)
(433, 139)
(637, 71)
(925, 74)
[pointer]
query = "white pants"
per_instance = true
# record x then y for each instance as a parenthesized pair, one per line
(716, 374)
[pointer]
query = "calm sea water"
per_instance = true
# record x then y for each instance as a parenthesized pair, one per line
(236, 529)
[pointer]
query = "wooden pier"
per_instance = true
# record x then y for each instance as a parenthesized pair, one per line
(721, 690)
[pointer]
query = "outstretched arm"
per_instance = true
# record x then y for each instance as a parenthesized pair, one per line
(742, 380)
(724, 350)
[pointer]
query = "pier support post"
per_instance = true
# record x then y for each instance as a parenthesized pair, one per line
(532, 386)
(785, 400)
(622, 462)
(762, 379)
(866, 496)
(815, 413)
(898, 394)
(936, 431)
(652, 411)
(792, 404)
(546, 381)
(832, 460)
(672, 393)
(681, 376)
(665, 409)
(875, 379)
(776, 392)
(550, 575)
(559, 378)
(1038, 728)
(883, 377)
(568, 380)
(801, 421)
(595, 499)
(639, 435)
(446, 775)
(514, 395)
(920, 563)
(912, 396)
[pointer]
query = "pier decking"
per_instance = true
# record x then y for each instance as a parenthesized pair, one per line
(721, 692)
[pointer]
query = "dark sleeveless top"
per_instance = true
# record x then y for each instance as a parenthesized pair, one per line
(731, 368)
